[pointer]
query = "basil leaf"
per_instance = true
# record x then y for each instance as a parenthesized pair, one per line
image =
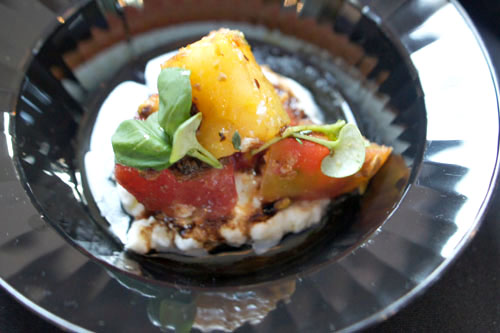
(141, 144)
(186, 143)
(174, 89)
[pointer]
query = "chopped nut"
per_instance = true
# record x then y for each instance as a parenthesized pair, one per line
(189, 166)
(236, 42)
(222, 77)
(148, 107)
(249, 143)
(282, 203)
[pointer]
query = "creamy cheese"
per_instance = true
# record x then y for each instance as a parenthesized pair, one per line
(139, 235)
(149, 234)
(299, 216)
(129, 202)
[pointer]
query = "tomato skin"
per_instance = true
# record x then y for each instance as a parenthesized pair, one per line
(294, 170)
(212, 190)
(291, 170)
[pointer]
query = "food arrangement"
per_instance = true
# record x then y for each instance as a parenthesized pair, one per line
(223, 156)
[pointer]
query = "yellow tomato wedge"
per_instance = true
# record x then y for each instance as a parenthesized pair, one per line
(231, 92)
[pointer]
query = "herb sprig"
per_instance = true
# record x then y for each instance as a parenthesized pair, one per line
(346, 144)
(167, 135)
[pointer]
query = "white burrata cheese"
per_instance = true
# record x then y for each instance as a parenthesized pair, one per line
(299, 216)
(129, 202)
(149, 234)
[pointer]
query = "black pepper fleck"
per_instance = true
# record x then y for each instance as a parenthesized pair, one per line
(194, 110)
(222, 136)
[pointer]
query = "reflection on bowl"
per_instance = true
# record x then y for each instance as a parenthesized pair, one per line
(184, 309)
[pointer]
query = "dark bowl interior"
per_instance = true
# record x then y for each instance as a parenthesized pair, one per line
(73, 72)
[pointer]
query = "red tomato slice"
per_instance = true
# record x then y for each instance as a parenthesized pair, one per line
(212, 190)
(294, 170)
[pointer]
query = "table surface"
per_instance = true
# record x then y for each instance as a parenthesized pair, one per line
(465, 299)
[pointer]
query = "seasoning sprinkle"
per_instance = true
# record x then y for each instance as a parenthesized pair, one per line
(236, 140)
(222, 77)
(222, 136)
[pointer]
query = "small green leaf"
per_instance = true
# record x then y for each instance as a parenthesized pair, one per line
(141, 144)
(298, 140)
(236, 140)
(347, 146)
(186, 143)
(174, 90)
(349, 154)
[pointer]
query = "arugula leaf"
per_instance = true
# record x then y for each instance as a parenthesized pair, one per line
(174, 90)
(141, 144)
(186, 143)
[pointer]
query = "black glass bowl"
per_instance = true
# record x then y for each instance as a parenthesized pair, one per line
(409, 73)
